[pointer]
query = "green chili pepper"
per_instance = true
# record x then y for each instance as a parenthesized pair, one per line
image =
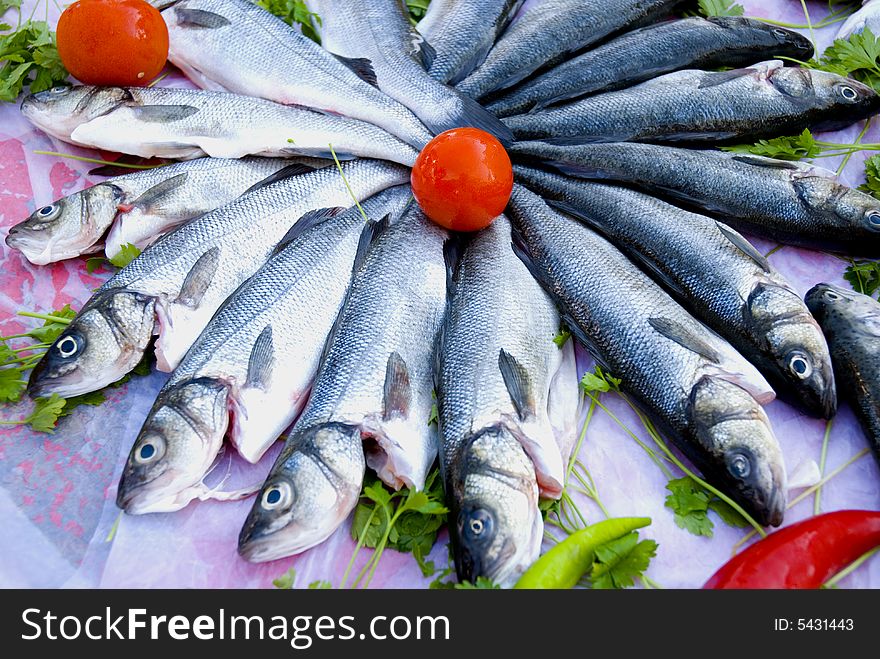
(563, 565)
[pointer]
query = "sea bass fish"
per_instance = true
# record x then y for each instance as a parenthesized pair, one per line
(254, 362)
(380, 31)
(717, 274)
(792, 203)
(507, 400)
(700, 391)
(374, 383)
(866, 17)
(462, 32)
(174, 287)
(138, 207)
(237, 46)
(185, 123)
(688, 43)
(851, 322)
(548, 30)
(764, 100)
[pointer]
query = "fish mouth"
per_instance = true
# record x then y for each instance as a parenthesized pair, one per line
(257, 546)
(775, 510)
(42, 384)
(35, 247)
(156, 495)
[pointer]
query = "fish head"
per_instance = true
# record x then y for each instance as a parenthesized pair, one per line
(853, 209)
(495, 525)
(174, 450)
(60, 110)
(742, 454)
(312, 488)
(797, 344)
(848, 97)
(67, 228)
(103, 343)
(788, 42)
(829, 303)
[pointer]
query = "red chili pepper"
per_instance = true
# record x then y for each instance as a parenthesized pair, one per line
(803, 555)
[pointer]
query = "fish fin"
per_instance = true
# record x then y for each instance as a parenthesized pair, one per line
(368, 236)
(361, 67)
(578, 140)
(744, 246)
(163, 113)
(326, 154)
(570, 209)
(473, 114)
(760, 161)
(398, 388)
(199, 18)
(681, 335)
(296, 169)
(516, 379)
(471, 64)
(152, 199)
(261, 360)
(453, 250)
(716, 78)
(304, 223)
(199, 279)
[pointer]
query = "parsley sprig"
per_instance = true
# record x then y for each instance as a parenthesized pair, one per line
(28, 56)
(294, 12)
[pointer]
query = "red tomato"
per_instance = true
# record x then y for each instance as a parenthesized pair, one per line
(113, 42)
(463, 179)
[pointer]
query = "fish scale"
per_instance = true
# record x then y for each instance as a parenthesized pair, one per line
(549, 29)
(764, 100)
(190, 272)
(651, 51)
(717, 274)
(791, 202)
(275, 62)
(697, 387)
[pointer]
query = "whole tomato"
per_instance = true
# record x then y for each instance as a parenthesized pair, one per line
(463, 179)
(112, 42)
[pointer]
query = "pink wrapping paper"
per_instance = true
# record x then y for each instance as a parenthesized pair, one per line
(57, 491)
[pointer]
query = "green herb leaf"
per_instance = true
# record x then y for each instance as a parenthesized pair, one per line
(320, 585)
(599, 381)
(95, 263)
(620, 562)
(28, 57)
(46, 413)
(872, 176)
(782, 148)
(127, 254)
(93, 399)
(864, 276)
(12, 385)
(562, 337)
(9, 4)
(286, 580)
(417, 9)
(728, 514)
(858, 57)
(434, 417)
(294, 12)
(690, 503)
(52, 329)
(482, 583)
(718, 8)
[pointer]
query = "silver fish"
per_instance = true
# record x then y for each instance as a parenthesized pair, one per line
(717, 274)
(507, 401)
(688, 43)
(462, 32)
(851, 321)
(380, 31)
(185, 123)
(255, 362)
(174, 287)
(137, 207)
(546, 31)
(237, 46)
(866, 17)
(699, 390)
(764, 100)
(374, 383)
(789, 202)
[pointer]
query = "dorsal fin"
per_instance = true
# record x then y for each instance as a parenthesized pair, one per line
(677, 332)
(199, 278)
(199, 18)
(161, 114)
(152, 199)
(423, 51)
(761, 161)
(744, 246)
(721, 77)
(304, 223)
(362, 68)
(295, 169)
(371, 232)
(516, 379)
(398, 388)
(261, 360)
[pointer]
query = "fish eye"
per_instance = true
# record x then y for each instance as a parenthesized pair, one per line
(831, 295)
(800, 366)
(477, 526)
(149, 450)
(739, 466)
(48, 211)
(874, 219)
(60, 89)
(68, 346)
(276, 496)
(782, 34)
(849, 93)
